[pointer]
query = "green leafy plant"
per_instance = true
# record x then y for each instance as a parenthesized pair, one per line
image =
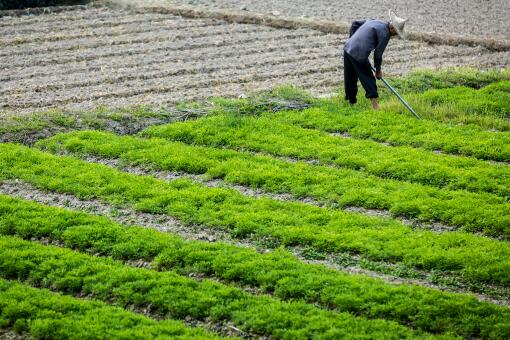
(344, 187)
(291, 223)
(278, 272)
(47, 315)
(175, 296)
(263, 134)
(401, 129)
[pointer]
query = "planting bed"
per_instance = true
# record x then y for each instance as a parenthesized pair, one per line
(116, 58)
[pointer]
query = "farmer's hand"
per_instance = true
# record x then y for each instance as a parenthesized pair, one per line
(378, 74)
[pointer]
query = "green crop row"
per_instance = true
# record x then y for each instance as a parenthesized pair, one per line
(478, 259)
(172, 295)
(264, 134)
(278, 273)
(430, 79)
(475, 212)
(398, 129)
(459, 106)
(47, 315)
(450, 96)
(494, 99)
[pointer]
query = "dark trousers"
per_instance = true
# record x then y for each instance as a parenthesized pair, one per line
(354, 70)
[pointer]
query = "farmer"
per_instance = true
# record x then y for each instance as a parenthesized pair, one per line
(366, 36)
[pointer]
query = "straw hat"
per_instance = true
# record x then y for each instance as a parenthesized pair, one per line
(398, 23)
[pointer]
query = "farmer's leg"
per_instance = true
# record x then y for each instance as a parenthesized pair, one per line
(350, 80)
(367, 79)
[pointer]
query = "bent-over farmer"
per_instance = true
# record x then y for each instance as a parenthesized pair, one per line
(366, 36)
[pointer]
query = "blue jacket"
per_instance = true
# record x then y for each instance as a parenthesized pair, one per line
(372, 35)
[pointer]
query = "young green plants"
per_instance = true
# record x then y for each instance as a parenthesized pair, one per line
(288, 223)
(396, 129)
(264, 134)
(277, 273)
(477, 212)
(173, 296)
(42, 314)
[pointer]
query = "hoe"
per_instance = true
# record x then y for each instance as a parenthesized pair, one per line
(399, 96)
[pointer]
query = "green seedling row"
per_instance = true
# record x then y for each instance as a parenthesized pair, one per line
(419, 81)
(277, 273)
(478, 212)
(488, 107)
(476, 258)
(397, 129)
(46, 315)
(264, 134)
(493, 99)
(175, 296)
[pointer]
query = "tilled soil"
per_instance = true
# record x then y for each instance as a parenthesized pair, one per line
(461, 17)
(117, 58)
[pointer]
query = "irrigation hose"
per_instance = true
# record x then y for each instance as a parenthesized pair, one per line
(399, 96)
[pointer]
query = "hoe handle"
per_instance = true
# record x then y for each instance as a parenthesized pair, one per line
(399, 96)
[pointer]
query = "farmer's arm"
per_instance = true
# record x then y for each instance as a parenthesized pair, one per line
(383, 39)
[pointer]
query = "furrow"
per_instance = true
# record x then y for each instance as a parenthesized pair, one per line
(9, 14)
(484, 60)
(77, 25)
(159, 63)
(147, 36)
(102, 33)
(134, 61)
(391, 61)
(168, 69)
(150, 45)
(154, 85)
(87, 14)
(316, 83)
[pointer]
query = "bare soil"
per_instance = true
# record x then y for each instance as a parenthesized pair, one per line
(462, 17)
(120, 57)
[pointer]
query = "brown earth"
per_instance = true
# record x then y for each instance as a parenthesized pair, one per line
(120, 57)
(473, 18)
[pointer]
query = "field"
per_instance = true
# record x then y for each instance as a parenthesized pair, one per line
(116, 58)
(470, 17)
(163, 176)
